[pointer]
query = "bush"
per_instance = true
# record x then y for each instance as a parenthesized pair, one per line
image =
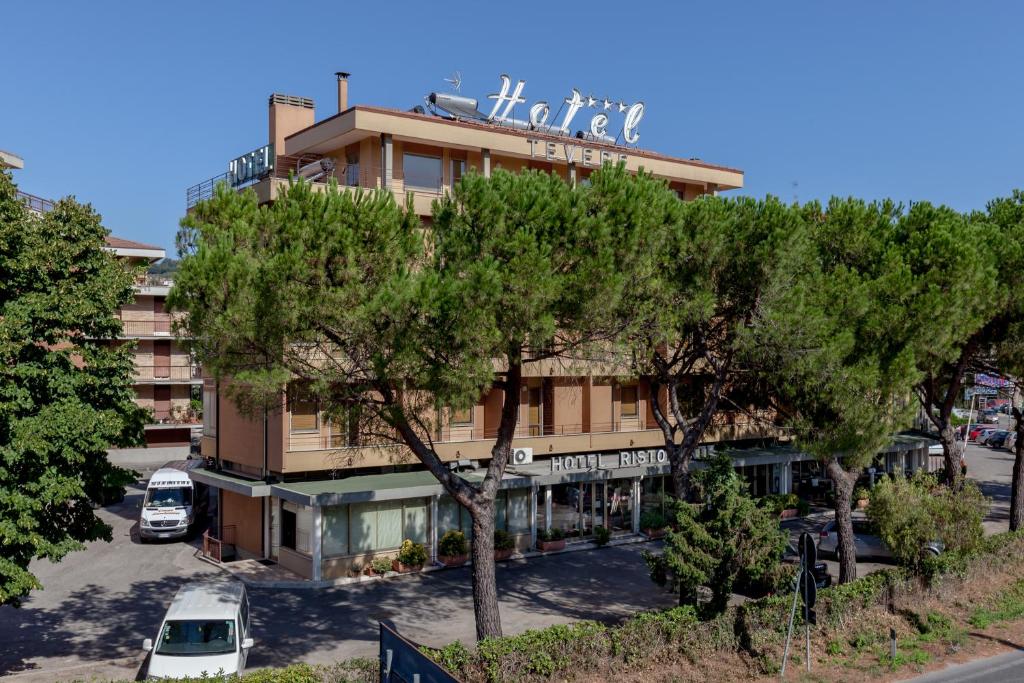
(503, 540)
(602, 535)
(412, 554)
(552, 534)
(911, 513)
(777, 502)
(380, 565)
(652, 519)
(452, 544)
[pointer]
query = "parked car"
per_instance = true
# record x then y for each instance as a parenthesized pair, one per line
(974, 430)
(866, 541)
(1011, 441)
(997, 439)
(205, 631)
(985, 435)
(990, 416)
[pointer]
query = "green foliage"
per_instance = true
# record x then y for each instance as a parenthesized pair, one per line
(653, 520)
(552, 534)
(349, 671)
(602, 535)
(412, 554)
(777, 502)
(911, 513)
(1007, 606)
(453, 544)
(65, 388)
(503, 540)
(380, 565)
(724, 539)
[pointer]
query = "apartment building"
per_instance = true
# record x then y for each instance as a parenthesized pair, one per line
(166, 379)
(303, 492)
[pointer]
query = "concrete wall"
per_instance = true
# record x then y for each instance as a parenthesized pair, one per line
(246, 515)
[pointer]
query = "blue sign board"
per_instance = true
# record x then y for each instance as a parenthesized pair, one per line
(402, 662)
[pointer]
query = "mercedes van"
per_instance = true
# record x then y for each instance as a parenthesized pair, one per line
(173, 503)
(206, 630)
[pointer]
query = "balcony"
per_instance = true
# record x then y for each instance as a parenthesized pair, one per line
(161, 325)
(168, 374)
(35, 204)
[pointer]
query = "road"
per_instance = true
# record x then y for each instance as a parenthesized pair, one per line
(1005, 668)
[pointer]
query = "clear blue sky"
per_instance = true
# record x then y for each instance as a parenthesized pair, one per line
(126, 104)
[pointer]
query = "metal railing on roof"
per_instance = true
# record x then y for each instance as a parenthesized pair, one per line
(34, 203)
(203, 190)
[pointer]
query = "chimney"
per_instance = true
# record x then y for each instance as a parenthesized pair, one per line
(342, 90)
(288, 114)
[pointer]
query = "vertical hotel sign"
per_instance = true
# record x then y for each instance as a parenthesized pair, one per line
(251, 166)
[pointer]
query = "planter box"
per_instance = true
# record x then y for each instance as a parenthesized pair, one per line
(653, 533)
(788, 513)
(453, 560)
(405, 568)
(500, 555)
(550, 546)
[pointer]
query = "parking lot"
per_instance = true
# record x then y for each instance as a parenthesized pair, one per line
(100, 603)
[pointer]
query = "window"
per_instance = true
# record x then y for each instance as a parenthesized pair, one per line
(462, 417)
(458, 170)
(535, 411)
(335, 536)
(368, 527)
(627, 394)
(209, 411)
(422, 172)
(296, 527)
(344, 429)
(352, 169)
(197, 637)
(304, 415)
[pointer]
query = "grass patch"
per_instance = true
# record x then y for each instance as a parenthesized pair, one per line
(1008, 606)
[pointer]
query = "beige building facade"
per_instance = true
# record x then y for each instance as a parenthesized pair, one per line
(295, 489)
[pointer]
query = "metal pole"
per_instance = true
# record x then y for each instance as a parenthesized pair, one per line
(792, 618)
(807, 627)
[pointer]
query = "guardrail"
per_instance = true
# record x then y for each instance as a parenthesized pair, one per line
(167, 373)
(160, 325)
(34, 203)
(217, 549)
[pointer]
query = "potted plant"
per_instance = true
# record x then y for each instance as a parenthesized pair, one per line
(504, 545)
(602, 535)
(862, 496)
(653, 524)
(411, 557)
(379, 566)
(452, 549)
(550, 540)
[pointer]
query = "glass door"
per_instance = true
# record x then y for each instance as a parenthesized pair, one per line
(619, 505)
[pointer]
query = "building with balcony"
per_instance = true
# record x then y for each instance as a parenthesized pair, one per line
(166, 378)
(297, 489)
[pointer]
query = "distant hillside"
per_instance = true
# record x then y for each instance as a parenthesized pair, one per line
(167, 266)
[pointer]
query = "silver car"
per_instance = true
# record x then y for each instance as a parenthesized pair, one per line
(866, 541)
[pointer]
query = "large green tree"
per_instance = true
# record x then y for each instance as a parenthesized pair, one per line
(65, 390)
(376, 315)
(721, 268)
(721, 539)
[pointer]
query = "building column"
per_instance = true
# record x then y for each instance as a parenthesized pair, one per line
(636, 505)
(433, 528)
(265, 506)
(386, 161)
(317, 543)
(486, 154)
(547, 507)
(533, 516)
(572, 173)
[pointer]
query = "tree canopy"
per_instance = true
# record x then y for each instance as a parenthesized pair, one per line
(65, 391)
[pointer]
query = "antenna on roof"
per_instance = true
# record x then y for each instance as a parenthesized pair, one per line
(456, 81)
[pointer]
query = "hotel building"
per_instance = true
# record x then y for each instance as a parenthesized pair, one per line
(297, 490)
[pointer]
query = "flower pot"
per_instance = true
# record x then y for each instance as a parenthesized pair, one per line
(500, 555)
(862, 503)
(788, 513)
(550, 546)
(405, 568)
(653, 533)
(453, 560)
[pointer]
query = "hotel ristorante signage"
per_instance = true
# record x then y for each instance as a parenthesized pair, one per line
(608, 461)
(540, 119)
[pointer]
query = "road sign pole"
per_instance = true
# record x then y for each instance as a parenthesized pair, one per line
(792, 618)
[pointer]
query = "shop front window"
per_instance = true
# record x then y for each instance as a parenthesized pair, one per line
(652, 495)
(370, 527)
(620, 505)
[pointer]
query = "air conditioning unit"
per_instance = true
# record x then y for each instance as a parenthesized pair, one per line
(522, 456)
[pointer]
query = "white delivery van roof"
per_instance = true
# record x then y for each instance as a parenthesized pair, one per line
(169, 476)
(208, 600)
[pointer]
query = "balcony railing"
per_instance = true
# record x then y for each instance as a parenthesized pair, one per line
(168, 373)
(203, 190)
(161, 325)
(34, 203)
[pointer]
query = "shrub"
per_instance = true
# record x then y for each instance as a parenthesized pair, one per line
(380, 565)
(503, 540)
(412, 554)
(861, 493)
(552, 534)
(911, 513)
(452, 544)
(602, 535)
(652, 519)
(777, 502)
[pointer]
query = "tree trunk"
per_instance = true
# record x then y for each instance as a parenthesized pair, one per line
(1017, 485)
(952, 454)
(485, 581)
(680, 471)
(845, 548)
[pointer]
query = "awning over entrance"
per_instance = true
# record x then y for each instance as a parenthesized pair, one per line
(252, 488)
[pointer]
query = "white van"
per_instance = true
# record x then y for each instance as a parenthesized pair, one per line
(172, 504)
(206, 629)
